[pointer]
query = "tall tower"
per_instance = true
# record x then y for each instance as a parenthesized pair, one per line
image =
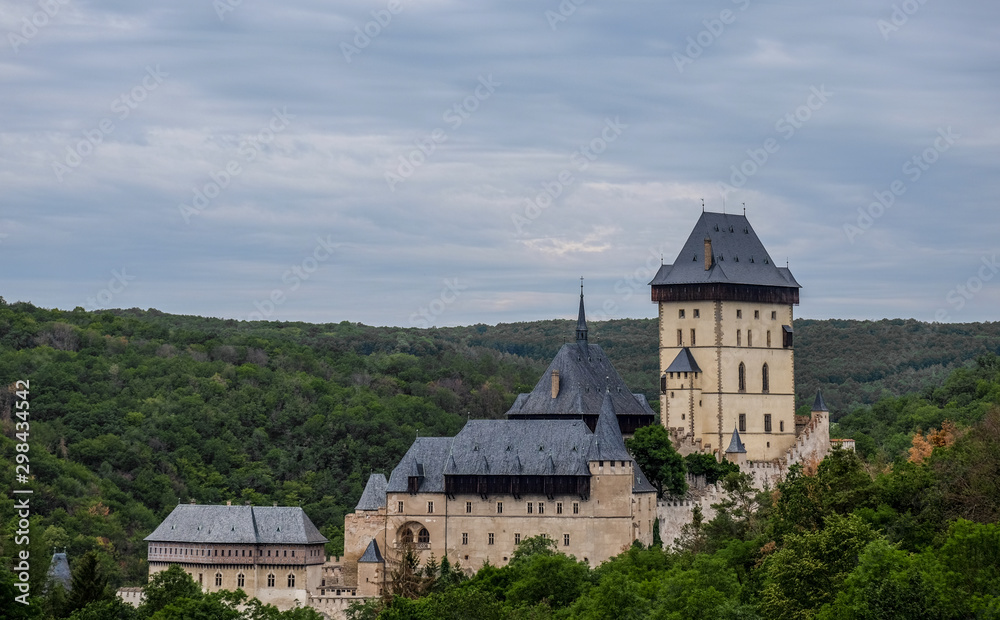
(726, 356)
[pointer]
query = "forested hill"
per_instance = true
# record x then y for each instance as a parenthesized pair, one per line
(133, 411)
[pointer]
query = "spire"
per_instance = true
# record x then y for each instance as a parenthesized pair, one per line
(818, 404)
(608, 435)
(581, 322)
(735, 444)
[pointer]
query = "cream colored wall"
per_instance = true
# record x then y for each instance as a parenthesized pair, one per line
(307, 579)
(360, 528)
(718, 355)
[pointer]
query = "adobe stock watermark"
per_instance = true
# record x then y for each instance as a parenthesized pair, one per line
(959, 296)
(293, 278)
(225, 7)
(563, 12)
(786, 127)
(454, 116)
(31, 26)
(580, 160)
(248, 150)
(714, 28)
(116, 285)
(900, 16)
(913, 169)
(630, 285)
(364, 35)
(426, 316)
(122, 106)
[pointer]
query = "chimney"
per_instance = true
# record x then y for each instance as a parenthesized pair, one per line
(229, 502)
(708, 253)
(555, 383)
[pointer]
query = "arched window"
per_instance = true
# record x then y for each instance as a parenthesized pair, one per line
(270, 580)
(765, 380)
(240, 580)
(424, 536)
(218, 580)
(743, 377)
(291, 580)
(407, 536)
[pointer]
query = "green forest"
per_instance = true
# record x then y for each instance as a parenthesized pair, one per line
(133, 411)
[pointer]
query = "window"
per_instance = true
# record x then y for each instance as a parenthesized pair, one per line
(423, 536)
(774, 315)
(743, 377)
(430, 507)
(468, 507)
(697, 313)
(765, 380)
(291, 580)
(739, 337)
(663, 384)
(756, 314)
(530, 506)
(465, 538)
(558, 508)
(293, 553)
(406, 536)
(268, 553)
(499, 508)
(576, 508)
(285, 553)
(749, 338)
(517, 538)
(781, 426)
(692, 338)
(680, 337)
(767, 422)
(491, 538)
(240, 580)
(399, 506)
(565, 540)
(541, 508)
(769, 338)
(218, 580)
(270, 580)
(739, 314)
(200, 578)
(743, 422)
(680, 314)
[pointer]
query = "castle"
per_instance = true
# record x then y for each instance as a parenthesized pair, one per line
(557, 466)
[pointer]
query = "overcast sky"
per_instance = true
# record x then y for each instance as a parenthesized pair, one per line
(449, 163)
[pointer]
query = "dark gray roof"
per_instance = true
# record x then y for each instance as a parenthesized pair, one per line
(735, 445)
(818, 404)
(59, 571)
(585, 374)
(514, 448)
(373, 497)
(738, 256)
(684, 362)
(198, 523)
(372, 555)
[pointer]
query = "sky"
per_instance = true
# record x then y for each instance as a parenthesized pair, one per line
(450, 163)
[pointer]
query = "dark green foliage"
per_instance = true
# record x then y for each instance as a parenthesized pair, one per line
(167, 586)
(700, 464)
(655, 454)
(90, 583)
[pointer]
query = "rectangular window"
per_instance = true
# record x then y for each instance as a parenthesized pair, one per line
(739, 337)
(541, 508)
(576, 508)
(468, 507)
(768, 338)
(558, 508)
(399, 507)
(430, 507)
(465, 538)
(739, 314)
(767, 422)
(530, 507)
(680, 314)
(743, 422)
(491, 538)
(781, 426)
(756, 314)
(517, 538)
(692, 338)
(697, 313)
(565, 540)
(499, 508)
(774, 315)
(680, 337)
(749, 338)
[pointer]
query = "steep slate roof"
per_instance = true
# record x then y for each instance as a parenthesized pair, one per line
(196, 523)
(684, 362)
(373, 497)
(371, 555)
(59, 571)
(735, 445)
(515, 448)
(818, 404)
(738, 256)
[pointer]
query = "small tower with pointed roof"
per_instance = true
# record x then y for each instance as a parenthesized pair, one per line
(736, 452)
